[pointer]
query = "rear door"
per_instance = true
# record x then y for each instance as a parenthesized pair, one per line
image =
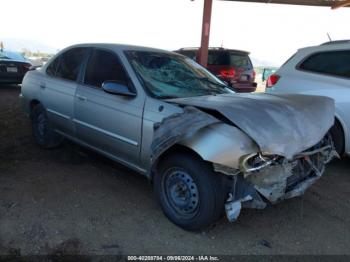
(59, 86)
(108, 122)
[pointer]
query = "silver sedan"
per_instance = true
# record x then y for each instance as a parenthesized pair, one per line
(205, 148)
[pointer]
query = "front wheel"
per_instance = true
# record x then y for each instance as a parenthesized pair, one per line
(191, 194)
(43, 133)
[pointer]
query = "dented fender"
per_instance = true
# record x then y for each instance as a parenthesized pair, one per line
(221, 143)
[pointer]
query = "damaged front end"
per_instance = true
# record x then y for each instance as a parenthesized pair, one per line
(263, 163)
(265, 178)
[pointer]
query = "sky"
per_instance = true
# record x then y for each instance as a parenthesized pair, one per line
(270, 32)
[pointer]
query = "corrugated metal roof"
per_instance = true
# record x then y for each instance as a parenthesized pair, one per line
(329, 3)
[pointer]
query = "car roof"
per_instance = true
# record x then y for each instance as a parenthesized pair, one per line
(329, 46)
(213, 49)
(345, 41)
(121, 47)
(110, 46)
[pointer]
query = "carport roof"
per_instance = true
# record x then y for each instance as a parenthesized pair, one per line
(331, 3)
(203, 51)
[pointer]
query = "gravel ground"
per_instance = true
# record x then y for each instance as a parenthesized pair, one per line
(72, 201)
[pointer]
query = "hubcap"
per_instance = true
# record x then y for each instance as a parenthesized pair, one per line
(181, 192)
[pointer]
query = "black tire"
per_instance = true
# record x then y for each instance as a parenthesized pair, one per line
(201, 189)
(337, 135)
(43, 133)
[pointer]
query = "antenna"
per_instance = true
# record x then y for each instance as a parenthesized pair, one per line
(329, 37)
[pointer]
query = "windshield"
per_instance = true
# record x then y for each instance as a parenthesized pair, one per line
(168, 75)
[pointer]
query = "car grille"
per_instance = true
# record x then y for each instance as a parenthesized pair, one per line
(301, 172)
(311, 165)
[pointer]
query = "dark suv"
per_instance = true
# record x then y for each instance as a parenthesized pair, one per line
(231, 66)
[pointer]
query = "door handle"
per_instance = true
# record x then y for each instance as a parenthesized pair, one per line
(82, 98)
(42, 85)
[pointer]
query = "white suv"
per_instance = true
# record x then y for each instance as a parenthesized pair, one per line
(320, 70)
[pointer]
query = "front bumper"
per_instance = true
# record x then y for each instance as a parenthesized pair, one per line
(279, 180)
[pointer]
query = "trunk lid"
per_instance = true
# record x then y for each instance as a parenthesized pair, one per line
(12, 68)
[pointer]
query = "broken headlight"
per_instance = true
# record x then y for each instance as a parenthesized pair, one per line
(256, 161)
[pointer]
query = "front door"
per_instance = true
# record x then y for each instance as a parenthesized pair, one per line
(111, 123)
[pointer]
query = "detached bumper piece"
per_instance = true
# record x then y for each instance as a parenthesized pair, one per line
(273, 178)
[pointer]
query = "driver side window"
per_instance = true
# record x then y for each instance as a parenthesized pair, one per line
(104, 66)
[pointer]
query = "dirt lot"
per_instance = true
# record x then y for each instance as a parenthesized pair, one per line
(71, 200)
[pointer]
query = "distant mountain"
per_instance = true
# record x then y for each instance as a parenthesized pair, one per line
(263, 63)
(17, 44)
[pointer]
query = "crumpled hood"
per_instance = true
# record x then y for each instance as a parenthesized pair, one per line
(280, 124)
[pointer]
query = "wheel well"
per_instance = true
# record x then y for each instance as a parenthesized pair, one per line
(338, 123)
(173, 150)
(32, 104)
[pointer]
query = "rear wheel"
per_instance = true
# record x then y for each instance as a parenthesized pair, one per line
(337, 135)
(43, 132)
(191, 194)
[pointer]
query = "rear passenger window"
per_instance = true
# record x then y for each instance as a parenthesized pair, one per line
(51, 69)
(336, 63)
(69, 63)
(104, 66)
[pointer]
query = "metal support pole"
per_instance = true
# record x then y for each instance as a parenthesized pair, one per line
(203, 50)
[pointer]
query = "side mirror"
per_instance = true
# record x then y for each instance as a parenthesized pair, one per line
(116, 88)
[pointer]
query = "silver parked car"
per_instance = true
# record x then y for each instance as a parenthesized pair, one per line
(205, 148)
(322, 70)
